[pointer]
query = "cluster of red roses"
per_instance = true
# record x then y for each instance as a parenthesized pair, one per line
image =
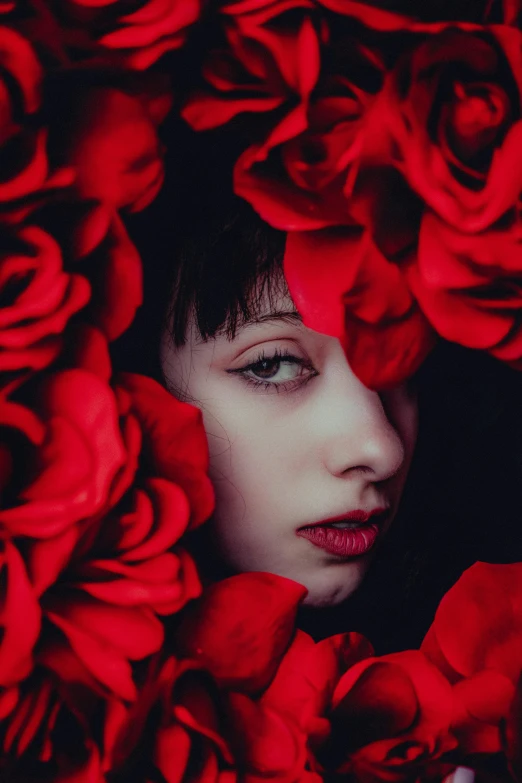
(387, 146)
(390, 147)
(281, 707)
(101, 474)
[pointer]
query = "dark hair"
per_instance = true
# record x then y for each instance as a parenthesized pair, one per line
(207, 253)
(224, 270)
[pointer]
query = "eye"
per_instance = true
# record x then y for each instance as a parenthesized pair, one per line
(276, 369)
(277, 372)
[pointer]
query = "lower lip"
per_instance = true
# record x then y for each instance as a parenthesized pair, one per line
(344, 542)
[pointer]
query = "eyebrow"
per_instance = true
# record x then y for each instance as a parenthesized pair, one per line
(289, 316)
(286, 316)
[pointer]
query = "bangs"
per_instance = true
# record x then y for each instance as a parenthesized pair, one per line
(227, 271)
(208, 258)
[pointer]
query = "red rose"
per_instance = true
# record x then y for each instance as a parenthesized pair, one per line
(476, 640)
(104, 585)
(119, 578)
(390, 720)
(255, 610)
(300, 696)
(24, 165)
(269, 731)
(468, 286)
(183, 712)
(302, 174)
(64, 258)
(231, 725)
(140, 565)
(449, 120)
(298, 178)
(267, 743)
(68, 450)
(268, 60)
(94, 243)
(196, 730)
(102, 250)
(139, 33)
(175, 444)
(58, 465)
(482, 704)
(50, 735)
(39, 298)
(308, 674)
(345, 287)
(117, 281)
(103, 582)
(114, 146)
(478, 624)
(20, 621)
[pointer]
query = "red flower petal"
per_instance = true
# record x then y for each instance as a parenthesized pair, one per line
(217, 630)
(20, 618)
(345, 287)
(122, 634)
(478, 623)
(176, 441)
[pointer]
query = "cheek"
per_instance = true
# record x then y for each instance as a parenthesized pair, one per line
(251, 466)
(251, 445)
(242, 455)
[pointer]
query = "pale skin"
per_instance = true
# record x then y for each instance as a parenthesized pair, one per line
(294, 438)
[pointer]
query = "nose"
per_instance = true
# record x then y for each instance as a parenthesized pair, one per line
(357, 434)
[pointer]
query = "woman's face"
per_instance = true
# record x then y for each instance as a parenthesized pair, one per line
(307, 463)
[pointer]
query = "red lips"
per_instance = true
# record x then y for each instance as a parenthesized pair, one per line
(349, 541)
(359, 515)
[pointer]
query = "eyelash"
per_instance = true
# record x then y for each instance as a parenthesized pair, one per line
(271, 386)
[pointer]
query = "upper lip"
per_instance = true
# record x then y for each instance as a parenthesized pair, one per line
(358, 515)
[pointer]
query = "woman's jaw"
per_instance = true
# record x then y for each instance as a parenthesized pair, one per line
(331, 565)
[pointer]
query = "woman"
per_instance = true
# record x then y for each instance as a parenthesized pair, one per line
(213, 272)
(308, 464)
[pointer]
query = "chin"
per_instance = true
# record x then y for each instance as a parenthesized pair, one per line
(331, 589)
